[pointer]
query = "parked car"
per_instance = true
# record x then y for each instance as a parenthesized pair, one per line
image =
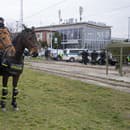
(72, 55)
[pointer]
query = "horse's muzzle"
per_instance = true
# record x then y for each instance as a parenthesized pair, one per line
(34, 52)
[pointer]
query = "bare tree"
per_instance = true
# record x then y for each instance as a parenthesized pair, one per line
(12, 26)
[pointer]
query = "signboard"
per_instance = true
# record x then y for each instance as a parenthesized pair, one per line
(56, 40)
(71, 42)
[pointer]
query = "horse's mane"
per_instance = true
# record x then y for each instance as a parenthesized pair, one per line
(21, 34)
(14, 38)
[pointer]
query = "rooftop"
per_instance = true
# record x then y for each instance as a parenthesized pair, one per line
(93, 24)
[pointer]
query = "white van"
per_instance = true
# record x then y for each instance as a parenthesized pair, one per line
(72, 55)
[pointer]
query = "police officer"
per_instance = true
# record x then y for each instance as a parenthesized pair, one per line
(1, 22)
(85, 57)
(47, 53)
(128, 59)
(94, 56)
(102, 57)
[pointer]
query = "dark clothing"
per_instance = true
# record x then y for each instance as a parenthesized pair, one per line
(85, 57)
(103, 54)
(1, 25)
(94, 56)
(47, 54)
(102, 60)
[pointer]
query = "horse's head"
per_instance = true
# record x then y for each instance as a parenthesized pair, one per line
(30, 41)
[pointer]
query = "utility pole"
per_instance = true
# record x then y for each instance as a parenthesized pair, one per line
(51, 39)
(21, 14)
(128, 28)
(17, 26)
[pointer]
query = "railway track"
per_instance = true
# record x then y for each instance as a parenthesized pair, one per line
(83, 73)
(77, 64)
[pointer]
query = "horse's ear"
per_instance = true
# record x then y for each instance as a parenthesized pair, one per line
(33, 28)
(24, 26)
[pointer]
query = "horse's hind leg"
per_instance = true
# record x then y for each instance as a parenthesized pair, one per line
(15, 92)
(4, 92)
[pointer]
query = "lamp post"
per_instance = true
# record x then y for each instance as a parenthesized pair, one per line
(56, 42)
(17, 26)
(128, 28)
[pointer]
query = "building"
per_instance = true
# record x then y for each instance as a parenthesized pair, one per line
(44, 36)
(89, 35)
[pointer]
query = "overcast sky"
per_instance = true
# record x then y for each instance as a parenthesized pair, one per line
(114, 13)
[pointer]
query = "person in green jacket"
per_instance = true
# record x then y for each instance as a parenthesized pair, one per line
(128, 59)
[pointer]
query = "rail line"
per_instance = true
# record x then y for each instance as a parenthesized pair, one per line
(66, 70)
(76, 64)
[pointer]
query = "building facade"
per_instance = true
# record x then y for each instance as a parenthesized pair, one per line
(86, 35)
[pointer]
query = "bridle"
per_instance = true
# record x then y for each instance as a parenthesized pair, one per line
(28, 36)
(5, 47)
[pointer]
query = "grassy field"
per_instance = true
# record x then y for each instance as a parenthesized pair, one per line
(50, 102)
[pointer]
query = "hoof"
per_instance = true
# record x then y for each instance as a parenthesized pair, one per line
(15, 108)
(3, 109)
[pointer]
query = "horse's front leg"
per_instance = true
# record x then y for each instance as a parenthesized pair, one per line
(4, 92)
(15, 92)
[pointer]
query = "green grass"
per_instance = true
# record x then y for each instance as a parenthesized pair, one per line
(36, 59)
(49, 102)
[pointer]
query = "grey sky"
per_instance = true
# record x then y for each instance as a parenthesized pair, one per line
(40, 12)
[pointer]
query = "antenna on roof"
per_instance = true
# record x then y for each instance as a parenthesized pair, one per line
(59, 14)
(80, 13)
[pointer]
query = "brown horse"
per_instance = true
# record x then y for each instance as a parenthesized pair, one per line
(13, 66)
(5, 42)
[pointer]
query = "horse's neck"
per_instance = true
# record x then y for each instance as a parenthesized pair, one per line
(19, 48)
(19, 51)
(19, 56)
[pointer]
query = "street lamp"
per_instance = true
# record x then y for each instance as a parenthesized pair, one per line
(17, 26)
(56, 42)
